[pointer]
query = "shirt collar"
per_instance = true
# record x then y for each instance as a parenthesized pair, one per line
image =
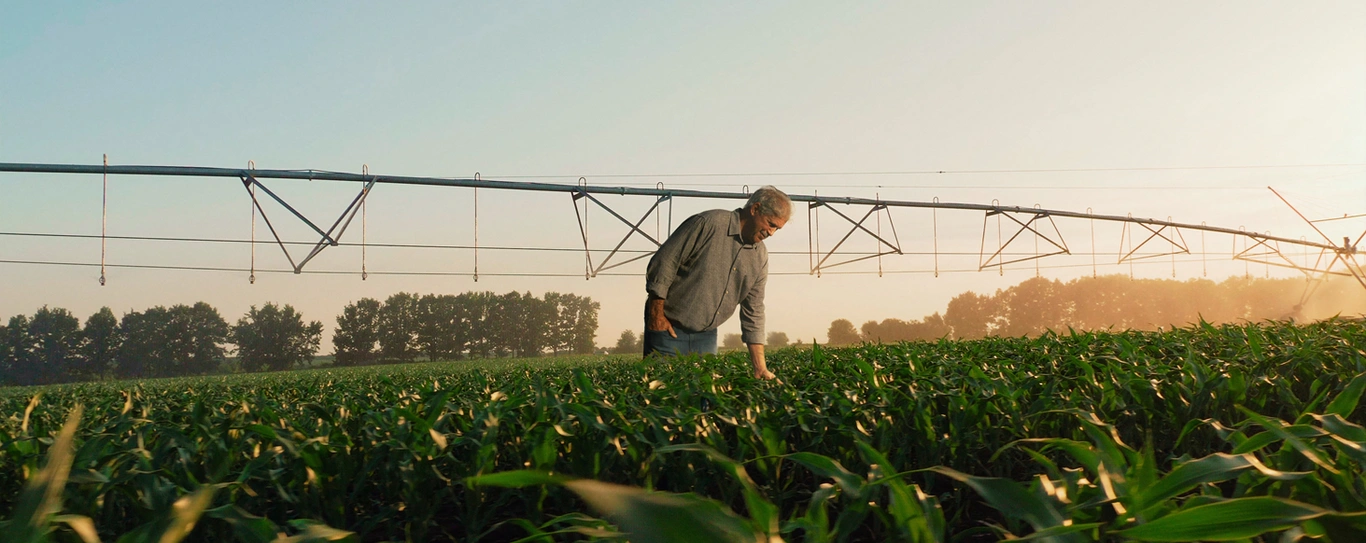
(733, 230)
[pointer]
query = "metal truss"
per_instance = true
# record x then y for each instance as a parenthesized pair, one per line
(1347, 255)
(1333, 259)
(330, 237)
(1036, 215)
(1177, 247)
(814, 230)
(589, 270)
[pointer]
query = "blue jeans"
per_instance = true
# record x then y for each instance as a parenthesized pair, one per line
(687, 342)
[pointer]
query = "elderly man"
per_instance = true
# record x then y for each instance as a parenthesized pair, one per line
(712, 263)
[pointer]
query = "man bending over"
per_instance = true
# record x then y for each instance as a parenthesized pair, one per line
(714, 262)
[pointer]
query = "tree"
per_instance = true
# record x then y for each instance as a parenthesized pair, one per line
(731, 342)
(100, 345)
(581, 318)
(274, 339)
(161, 342)
(17, 355)
(971, 316)
(776, 340)
(842, 332)
(56, 336)
(398, 327)
(479, 309)
(142, 333)
(627, 344)
(205, 331)
(357, 333)
(6, 373)
(441, 329)
(559, 327)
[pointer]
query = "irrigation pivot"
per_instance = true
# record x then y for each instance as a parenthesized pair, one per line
(1012, 225)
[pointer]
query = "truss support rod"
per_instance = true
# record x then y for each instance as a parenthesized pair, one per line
(635, 228)
(1026, 226)
(249, 184)
(184, 171)
(857, 225)
(1153, 234)
(328, 239)
(348, 214)
(291, 209)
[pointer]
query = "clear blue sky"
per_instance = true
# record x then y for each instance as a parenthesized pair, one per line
(577, 88)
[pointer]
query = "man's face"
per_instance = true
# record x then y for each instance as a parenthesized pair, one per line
(755, 228)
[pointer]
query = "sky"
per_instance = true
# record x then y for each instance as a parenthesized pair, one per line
(1155, 109)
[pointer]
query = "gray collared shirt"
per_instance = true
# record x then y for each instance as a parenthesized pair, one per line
(703, 271)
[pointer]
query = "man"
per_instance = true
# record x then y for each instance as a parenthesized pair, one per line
(714, 262)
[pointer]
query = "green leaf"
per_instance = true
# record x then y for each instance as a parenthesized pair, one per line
(910, 512)
(1347, 400)
(659, 517)
(312, 531)
(762, 513)
(1313, 454)
(1057, 531)
(247, 527)
(827, 467)
(82, 525)
(1210, 469)
(41, 499)
(1230, 520)
(1014, 500)
(517, 479)
(263, 431)
(185, 513)
(1336, 425)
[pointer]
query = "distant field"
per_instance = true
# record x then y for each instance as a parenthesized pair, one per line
(1125, 435)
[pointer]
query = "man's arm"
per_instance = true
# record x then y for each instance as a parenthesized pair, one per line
(756, 357)
(752, 324)
(677, 249)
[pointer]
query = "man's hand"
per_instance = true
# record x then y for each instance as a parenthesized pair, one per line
(655, 321)
(756, 357)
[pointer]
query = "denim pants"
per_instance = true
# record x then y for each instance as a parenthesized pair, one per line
(687, 342)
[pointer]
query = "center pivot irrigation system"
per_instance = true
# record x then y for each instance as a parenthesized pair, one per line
(1013, 223)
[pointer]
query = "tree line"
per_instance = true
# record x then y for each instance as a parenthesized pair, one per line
(470, 325)
(1109, 301)
(53, 347)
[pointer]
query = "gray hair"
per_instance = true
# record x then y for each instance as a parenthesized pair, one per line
(772, 202)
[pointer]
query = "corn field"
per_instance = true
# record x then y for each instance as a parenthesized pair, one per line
(1229, 433)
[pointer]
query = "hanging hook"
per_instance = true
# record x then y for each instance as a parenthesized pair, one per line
(934, 218)
(104, 217)
(1091, 214)
(251, 191)
(476, 228)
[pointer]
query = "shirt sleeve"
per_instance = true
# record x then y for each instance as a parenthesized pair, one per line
(752, 310)
(679, 248)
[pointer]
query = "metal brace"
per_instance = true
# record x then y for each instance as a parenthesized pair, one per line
(249, 182)
(590, 270)
(894, 246)
(1178, 247)
(997, 259)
